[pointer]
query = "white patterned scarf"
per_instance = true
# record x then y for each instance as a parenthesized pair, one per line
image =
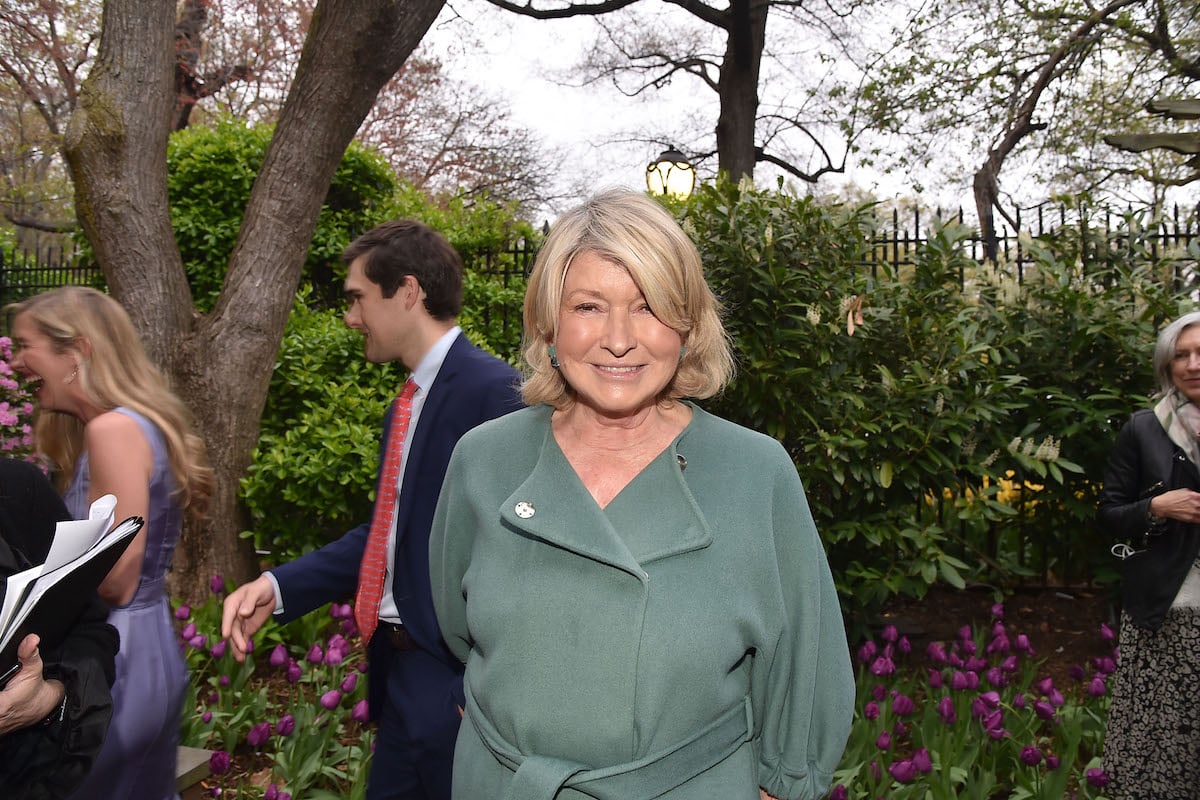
(1180, 418)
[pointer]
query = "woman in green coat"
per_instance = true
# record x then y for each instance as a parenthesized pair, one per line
(636, 587)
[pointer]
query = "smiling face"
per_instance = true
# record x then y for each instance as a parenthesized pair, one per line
(51, 374)
(1185, 364)
(612, 350)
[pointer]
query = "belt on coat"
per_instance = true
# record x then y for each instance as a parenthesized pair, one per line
(541, 777)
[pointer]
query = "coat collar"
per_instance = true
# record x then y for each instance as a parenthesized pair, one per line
(657, 507)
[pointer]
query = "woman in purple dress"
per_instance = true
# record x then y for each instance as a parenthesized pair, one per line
(110, 424)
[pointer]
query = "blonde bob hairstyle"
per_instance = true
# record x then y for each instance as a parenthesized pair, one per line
(114, 370)
(630, 229)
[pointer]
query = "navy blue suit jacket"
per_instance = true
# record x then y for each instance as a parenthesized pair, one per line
(471, 387)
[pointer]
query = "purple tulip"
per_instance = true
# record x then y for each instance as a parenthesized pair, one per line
(287, 796)
(1106, 634)
(1056, 699)
(331, 699)
(998, 611)
(286, 725)
(979, 708)
(964, 633)
(990, 699)
(1077, 672)
(954, 659)
(278, 657)
(1097, 777)
(341, 611)
(1052, 762)
(360, 712)
(958, 681)
(217, 584)
(969, 647)
(936, 653)
(882, 667)
(884, 741)
(213, 697)
(333, 657)
(1021, 644)
(188, 631)
(899, 728)
(902, 771)
(904, 645)
(999, 644)
(223, 680)
(976, 664)
(1106, 666)
(1031, 756)
(945, 708)
(183, 612)
(890, 634)
(338, 642)
(259, 734)
(972, 680)
(871, 710)
(315, 655)
(1010, 664)
(349, 682)
(272, 792)
(1043, 709)
(1096, 687)
(879, 692)
(935, 679)
(867, 652)
(996, 677)
(1019, 700)
(218, 649)
(902, 705)
(922, 761)
(218, 762)
(294, 672)
(206, 717)
(994, 720)
(839, 793)
(1044, 686)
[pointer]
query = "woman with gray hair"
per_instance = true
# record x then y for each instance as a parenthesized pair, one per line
(1151, 504)
(636, 586)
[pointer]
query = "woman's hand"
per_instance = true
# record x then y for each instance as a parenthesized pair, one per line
(762, 795)
(1180, 504)
(29, 698)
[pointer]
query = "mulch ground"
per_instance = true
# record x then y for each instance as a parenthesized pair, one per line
(1063, 623)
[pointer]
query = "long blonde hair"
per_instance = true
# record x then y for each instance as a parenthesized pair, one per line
(114, 370)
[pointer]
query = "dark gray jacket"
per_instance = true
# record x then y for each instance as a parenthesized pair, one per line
(1144, 463)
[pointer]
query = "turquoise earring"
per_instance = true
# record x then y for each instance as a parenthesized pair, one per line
(553, 353)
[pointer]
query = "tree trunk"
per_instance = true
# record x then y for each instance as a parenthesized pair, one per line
(737, 86)
(221, 362)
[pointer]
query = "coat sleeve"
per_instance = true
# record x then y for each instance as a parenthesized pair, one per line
(1124, 502)
(450, 537)
(806, 700)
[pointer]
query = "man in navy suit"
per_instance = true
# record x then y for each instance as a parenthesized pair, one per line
(404, 287)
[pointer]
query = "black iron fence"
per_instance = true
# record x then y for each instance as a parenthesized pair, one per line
(1168, 236)
(23, 274)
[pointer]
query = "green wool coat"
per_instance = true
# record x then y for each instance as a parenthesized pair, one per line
(683, 642)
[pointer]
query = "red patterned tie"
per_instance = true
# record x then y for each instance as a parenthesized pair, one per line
(374, 563)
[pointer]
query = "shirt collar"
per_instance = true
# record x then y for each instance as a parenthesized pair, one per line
(427, 371)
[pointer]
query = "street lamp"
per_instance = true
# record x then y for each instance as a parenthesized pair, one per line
(671, 174)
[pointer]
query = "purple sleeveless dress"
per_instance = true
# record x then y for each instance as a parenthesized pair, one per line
(137, 761)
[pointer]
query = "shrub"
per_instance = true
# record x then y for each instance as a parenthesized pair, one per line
(211, 171)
